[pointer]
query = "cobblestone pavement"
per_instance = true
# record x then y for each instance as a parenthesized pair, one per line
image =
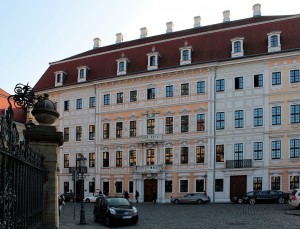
(156, 216)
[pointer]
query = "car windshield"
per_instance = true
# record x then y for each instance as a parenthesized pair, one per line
(117, 202)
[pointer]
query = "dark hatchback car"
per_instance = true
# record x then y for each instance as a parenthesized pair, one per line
(243, 198)
(70, 197)
(115, 210)
(266, 196)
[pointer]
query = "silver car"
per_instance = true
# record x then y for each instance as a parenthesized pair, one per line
(197, 198)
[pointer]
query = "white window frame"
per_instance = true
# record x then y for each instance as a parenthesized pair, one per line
(188, 48)
(126, 62)
(85, 73)
(188, 180)
(275, 175)
(61, 75)
(153, 54)
(274, 48)
(233, 41)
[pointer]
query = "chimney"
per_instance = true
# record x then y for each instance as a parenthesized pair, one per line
(97, 43)
(256, 10)
(197, 21)
(226, 16)
(170, 27)
(119, 38)
(144, 32)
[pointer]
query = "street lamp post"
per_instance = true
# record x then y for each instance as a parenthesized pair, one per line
(82, 170)
(205, 178)
(94, 185)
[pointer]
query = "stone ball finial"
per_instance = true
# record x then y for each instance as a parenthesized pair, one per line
(44, 111)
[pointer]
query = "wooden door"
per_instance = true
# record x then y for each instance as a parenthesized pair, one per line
(150, 185)
(238, 185)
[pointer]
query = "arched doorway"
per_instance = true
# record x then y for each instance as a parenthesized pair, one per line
(150, 185)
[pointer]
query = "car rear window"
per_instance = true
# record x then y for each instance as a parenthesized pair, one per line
(293, 192)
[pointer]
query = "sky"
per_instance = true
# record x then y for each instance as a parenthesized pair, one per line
(34, 33)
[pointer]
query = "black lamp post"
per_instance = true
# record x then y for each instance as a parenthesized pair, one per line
(82, 170)
(93, 179)
(205, 178)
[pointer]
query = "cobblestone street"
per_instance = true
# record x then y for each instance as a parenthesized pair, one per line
(195, 216)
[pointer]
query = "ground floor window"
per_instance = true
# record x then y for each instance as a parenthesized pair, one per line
(184, 185)
(168, 186)
(106, 188)
(219, 185)
(199, 185)
(92, 187)
(275, 183)
(257, 183)
(130, 186)
(118, 185)
(294, 182)
(66, 186)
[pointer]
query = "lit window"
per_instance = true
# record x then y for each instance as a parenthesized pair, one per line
(119, 129)
(132, 131)
(92, 159)
(200, 152)
(92, 132)
(150, 157)
(169, 125)
(184, 155)
(119, 158)
(257, 183)
(66, 160)
(168, 156)
(78, 133)
(105, 130)
(132, 158)
(275, 183)
(105, 159)
(219, 153)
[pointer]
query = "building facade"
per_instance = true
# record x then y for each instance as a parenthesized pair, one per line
(212, 109)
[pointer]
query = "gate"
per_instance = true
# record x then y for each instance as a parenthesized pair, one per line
(22, 172)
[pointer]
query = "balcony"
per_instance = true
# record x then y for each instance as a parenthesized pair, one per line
(233, 164)
(151, 138)
(149, 168)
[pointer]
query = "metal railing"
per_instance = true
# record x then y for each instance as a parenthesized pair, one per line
(245, 163)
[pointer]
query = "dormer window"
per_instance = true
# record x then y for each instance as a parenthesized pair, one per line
(237, 49)
(274, 44)
(59, 78)
(153, 59)
(185, 54)
(122, 65)
(82, 73)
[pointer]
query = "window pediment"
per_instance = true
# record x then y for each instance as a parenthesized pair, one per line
(59, 78)
(122, 64)
(153, 59)
(186, 54)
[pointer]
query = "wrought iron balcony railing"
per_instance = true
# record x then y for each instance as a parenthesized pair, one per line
(149, 168)
(245, 163)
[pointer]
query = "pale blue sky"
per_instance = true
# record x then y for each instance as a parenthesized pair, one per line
(37, 32)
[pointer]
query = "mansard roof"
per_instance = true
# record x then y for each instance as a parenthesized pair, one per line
(210, 43)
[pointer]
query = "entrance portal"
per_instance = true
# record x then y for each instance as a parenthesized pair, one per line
(238, 185)
(150, 185)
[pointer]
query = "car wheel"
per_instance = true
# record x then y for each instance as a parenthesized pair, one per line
(87, 200)
(240, 200)
(176, 202)
(252, 201)
(199, 201)
(71, 200)
(107, 221)
(281, 200)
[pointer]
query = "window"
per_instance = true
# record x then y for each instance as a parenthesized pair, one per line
(152, 61)
(237, 46)
(200, 122)
(150, 93)
(220, 85)
(81, 73)
(200, 87)
(132, 131)
(150, 157)
(294, 148)
(107, 99)
(219, 185)
(257, 183)
(92, 187)
(274, 41)
(220, 120)
(66, 186)
(169, 91)
(118, 185)
(294, 76)
(121, 66)
(105, 130)
(275, 183)
(66, 105)
(239, 119)
(119, 158)
(130, 187)
(258, 80)
(184, 155)
(119, 129)
(92, 159)
(169, 125)
(257, 151)
(120, 97)
(185, 55)
(184, 123)
(238, 153)
(92, 102)
(184, 185)
(276, 115)
(78, 133)
(106, 188)
(168, 156)
(257, 117)
(92, 132)
(105, 159)
(78, 155)
(59, 78)
(66, 160)
(133, 96)
(55, 105)
(238, 83)
(295, 114)
(132, 158)
(200, 152)
(168, 186)
(150, 126)
(184, 89)
(219, 153)
(294, 182)
(79, 104)
(200, 186)
(66, 134)
(276, 78)
(276, 149)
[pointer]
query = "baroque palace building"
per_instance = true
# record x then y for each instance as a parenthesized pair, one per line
(212, 109)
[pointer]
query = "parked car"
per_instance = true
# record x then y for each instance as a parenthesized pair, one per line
(267, 196)
(115, 210)
(197, 198)
(92, 199)
(70, 197)
(294, 199)
(243, 198)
